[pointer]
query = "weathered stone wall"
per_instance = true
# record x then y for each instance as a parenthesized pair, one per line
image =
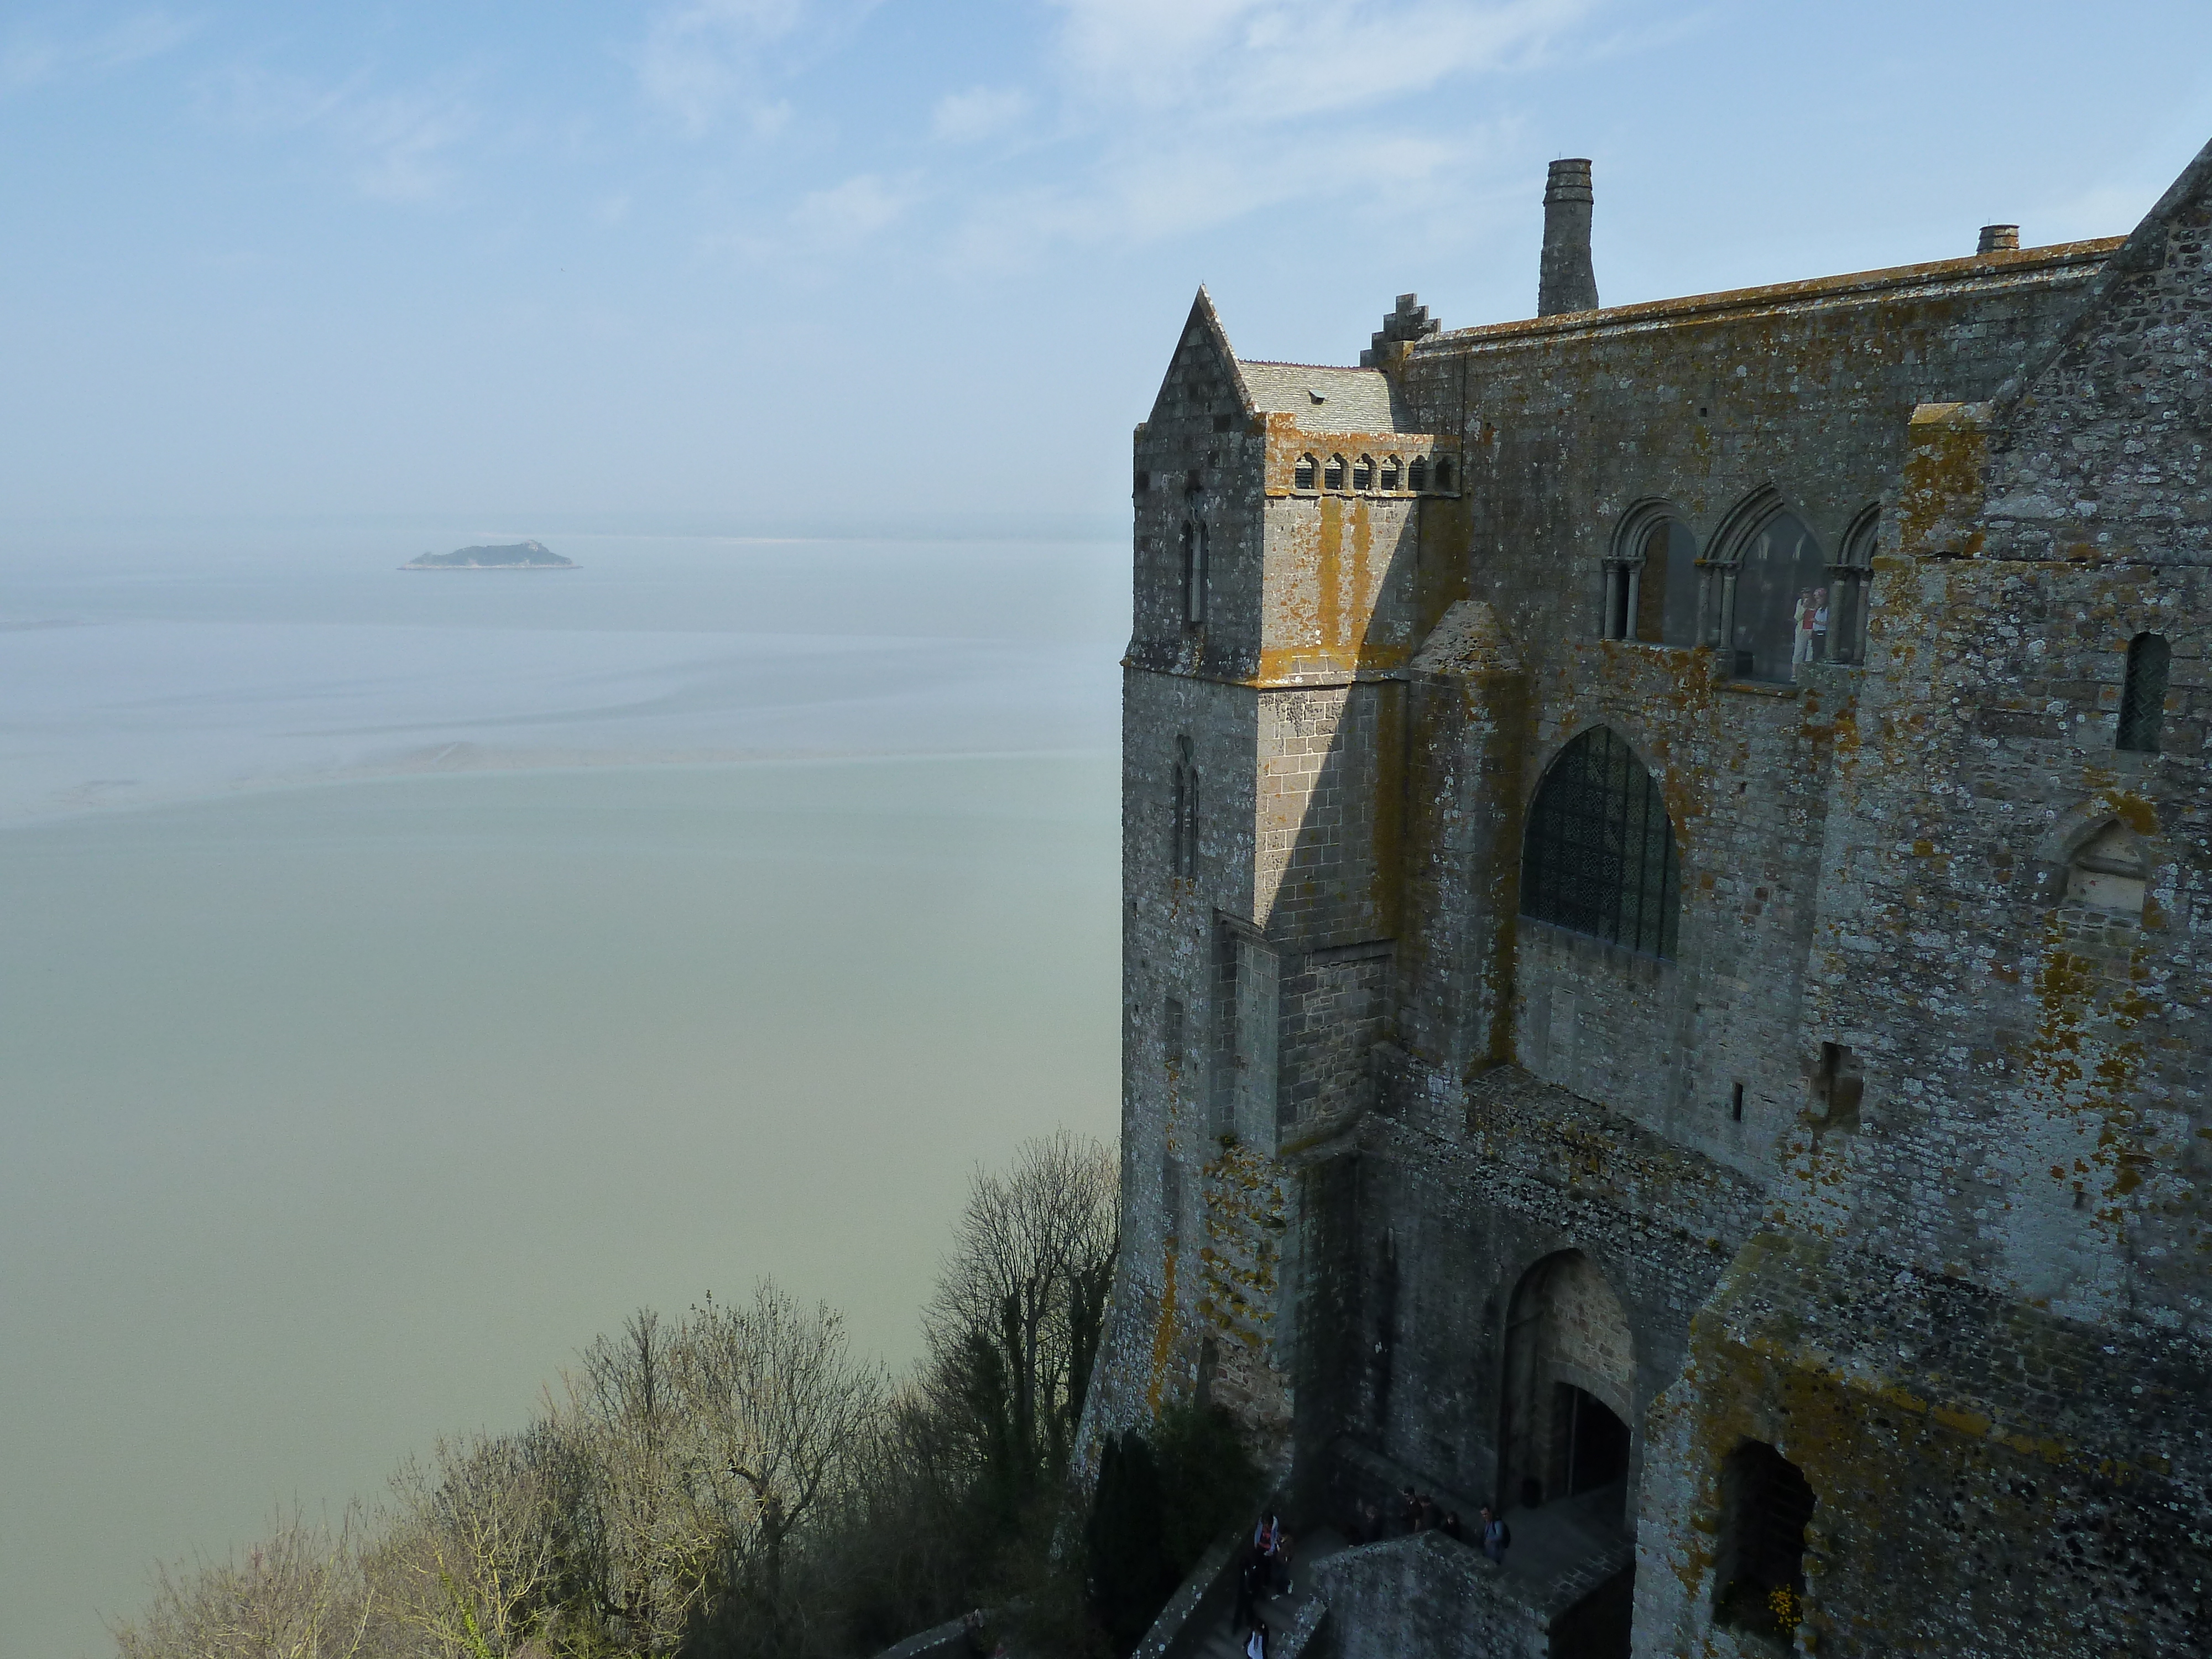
(1449, 1225)
(1991, 1480)
(1425, 1593)
(1929, 1074)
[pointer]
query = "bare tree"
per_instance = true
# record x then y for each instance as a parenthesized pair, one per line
(301, 1595)
(485, 1552)
(1014, 1326)
(621, 1407)
(781, 1414)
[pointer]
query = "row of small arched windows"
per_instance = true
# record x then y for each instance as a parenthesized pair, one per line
(1764, 591)
(1364, 473)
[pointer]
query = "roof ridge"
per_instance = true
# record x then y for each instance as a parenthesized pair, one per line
(1333, 368)
(1964, 268)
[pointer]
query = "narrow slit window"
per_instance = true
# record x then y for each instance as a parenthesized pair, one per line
(1363, 473)
(1417, 476)
(2143, 694)
(1303, 475)
(1185, 831)
(1392, 472)
(1194, 572)
(1334, 477)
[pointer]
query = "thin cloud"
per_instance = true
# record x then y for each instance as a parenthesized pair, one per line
(702, 59)
(1176, 113)
(962, 118)
(395, 145)
(31, 58)
(1232, 61)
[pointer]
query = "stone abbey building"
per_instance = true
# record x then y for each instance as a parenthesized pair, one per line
(1668, 904)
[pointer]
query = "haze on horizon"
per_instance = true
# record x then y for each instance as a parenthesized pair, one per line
(298, 293)
(766, 264)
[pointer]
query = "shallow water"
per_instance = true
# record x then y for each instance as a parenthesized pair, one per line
(339, 1117)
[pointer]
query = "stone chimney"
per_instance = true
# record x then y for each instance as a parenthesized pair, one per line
(1567, 284)
(1999, 239)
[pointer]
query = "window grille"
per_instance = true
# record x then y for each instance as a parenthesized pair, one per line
(1363, 473)
(1391, 473)
(1334, 477)
(1417, 476)
(2143, 694)
(1302, 476)
(1599, 855)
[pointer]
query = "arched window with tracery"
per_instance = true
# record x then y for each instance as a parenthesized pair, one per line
(1850, 582)
(1651, 578)
(1183, 851)
(2143, 694)
(1303, 476)
(1598, 856)
(1774, 608)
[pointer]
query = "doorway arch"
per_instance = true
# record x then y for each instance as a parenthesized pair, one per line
(1569, 1390)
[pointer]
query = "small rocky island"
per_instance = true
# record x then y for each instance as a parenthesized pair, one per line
(518, 556)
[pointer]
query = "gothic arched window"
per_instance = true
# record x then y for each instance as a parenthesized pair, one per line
(2143, 694)
(1417, 476)
(1303, 475)
(1363, 473)
(1332, 476)
(1599, 855)
(1392, 472)
(1443, 472)
(1850, 580)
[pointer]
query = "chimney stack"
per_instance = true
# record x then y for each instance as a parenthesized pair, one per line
(1999, 239)
(1567, 283)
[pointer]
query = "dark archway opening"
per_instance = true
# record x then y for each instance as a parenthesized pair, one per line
(1597, 1441)
(1765, 1503)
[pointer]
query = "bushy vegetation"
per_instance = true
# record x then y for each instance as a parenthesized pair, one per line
(736, 1482)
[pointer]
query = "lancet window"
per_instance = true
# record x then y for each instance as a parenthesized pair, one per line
(2143, 694)
(1194, 571)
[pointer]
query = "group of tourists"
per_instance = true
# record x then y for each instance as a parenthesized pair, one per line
(1418, 1512)
(1265, 1571)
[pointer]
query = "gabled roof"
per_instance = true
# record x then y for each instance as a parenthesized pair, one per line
(1323, 400)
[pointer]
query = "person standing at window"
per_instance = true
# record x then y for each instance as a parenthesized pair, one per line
(1801, 626)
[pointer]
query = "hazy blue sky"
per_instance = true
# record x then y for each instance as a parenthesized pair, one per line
(775, 261)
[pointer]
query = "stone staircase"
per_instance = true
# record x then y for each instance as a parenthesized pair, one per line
(1283, 1613)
